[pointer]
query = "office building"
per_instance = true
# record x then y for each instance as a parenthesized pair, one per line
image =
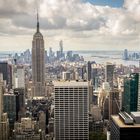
(27, 129)
(42, 121)
(19, 77)
(125, 54)
(83, 71)
(61, 46)
(4, 122)
(130, 95)
(71, 110)
(94, 76)
(61, 49)
(66, 75)
(20, 103)
(58, 55)
(6, 70)
(10, 107)
(4, 127)
(114, 103)
(109, 74)
(89, 71)
(38, 64)
(105, 109)
(69, 56)
(1, 95)
(124, 127)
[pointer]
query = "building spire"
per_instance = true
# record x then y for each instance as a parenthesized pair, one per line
(37, 22)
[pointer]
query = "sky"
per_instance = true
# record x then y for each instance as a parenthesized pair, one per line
(81, 24)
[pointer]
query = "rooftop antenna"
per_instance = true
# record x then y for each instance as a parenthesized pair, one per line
(37, 21)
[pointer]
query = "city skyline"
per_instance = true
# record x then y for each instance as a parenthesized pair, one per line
(81, 24)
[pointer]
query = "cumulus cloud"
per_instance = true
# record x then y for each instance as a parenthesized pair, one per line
(72, 15)
(72, 19)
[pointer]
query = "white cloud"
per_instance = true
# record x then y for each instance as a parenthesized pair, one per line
(73, 20)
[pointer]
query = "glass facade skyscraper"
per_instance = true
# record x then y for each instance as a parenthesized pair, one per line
(130, 96)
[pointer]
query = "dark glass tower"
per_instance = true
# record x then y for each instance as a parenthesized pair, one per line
(130, 96)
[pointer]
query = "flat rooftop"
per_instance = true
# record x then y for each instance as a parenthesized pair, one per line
(38, 97)
(136, 114)
(70, 84)
(121, 124)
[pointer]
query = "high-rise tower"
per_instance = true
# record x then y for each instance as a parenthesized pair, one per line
(71, 110)
(109, 74)
(38, 64)
(1, 95)
(130, 98)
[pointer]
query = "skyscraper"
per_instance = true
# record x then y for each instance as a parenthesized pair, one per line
(1, 95)
(125, 54)
(61, 48)
(109, 74)
(114, 106)
(71, 110)
(9, 107)
(130, 98)
(125, 126)
(6, 70)
(19, 77)
(38, 64)
(88, 71)
(4, 122)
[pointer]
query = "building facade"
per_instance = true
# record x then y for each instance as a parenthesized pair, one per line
(27, 129)
(38, 63)
(123, 128)
(130, 95)
(10, 107)
(6, 70)
(109, 74)
(1, 95)
(71, 110)
(89, 71)
(114, 103)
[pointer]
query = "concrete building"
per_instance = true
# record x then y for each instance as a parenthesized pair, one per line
(38, 63)
(19, 77)
(4, 127)
(123, 127)
(114, 103)
(89, 71)
(61, 49)
(94, 76)
(71, 110)
(6, 70)
(42, 121)
(103, 93)
(4, 122)
(1, 95)
(20, 102)
(27, 130)
(105, 110)
(66, 75)
(109, 74)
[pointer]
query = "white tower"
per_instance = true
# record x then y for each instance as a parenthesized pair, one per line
(71, 110)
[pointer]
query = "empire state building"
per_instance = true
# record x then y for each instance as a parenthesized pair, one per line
(38, 64)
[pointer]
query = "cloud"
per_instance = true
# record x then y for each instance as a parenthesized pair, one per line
(72, 19)
(72, 15)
